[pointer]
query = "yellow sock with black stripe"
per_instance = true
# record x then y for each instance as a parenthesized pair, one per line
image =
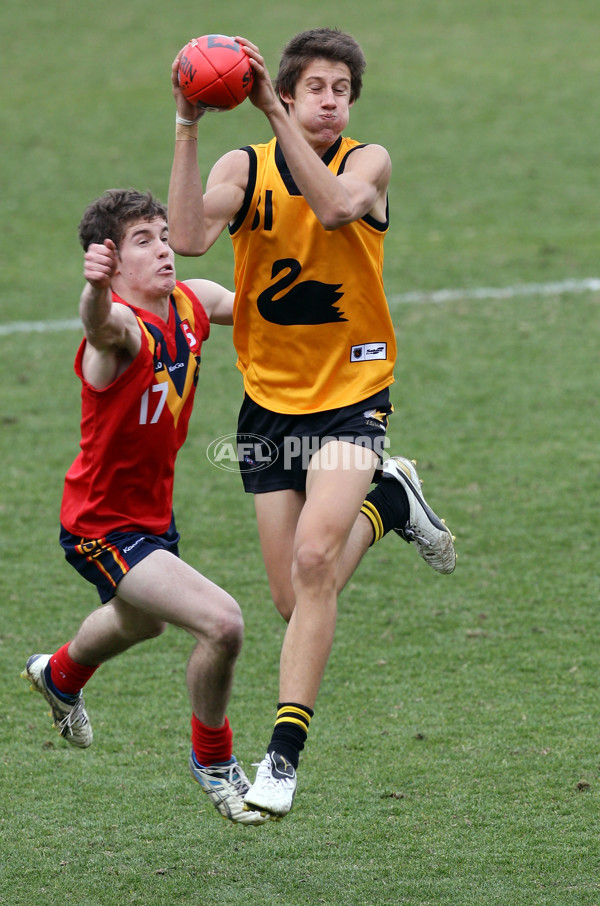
(290, 730)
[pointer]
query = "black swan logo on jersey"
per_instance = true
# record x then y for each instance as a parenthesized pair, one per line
(307, 302)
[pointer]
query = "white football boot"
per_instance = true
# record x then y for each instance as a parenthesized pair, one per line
(429, 534)
(69, 717)
(274, 788)
(226, 785)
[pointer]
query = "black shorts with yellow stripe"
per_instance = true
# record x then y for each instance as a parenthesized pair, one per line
(104, 561)
(274, 450)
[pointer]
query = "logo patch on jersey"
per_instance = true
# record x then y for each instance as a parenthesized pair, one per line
(306, 302)
(368, 352)
(190, 336)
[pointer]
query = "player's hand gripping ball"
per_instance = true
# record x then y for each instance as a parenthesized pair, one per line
(214, 71)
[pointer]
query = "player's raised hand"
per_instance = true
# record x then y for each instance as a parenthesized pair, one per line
(100, 263)
(185, 110)
(262, 94)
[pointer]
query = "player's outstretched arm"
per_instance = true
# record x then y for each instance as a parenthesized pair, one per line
(111, 329)
(197, 218)
(187, 235)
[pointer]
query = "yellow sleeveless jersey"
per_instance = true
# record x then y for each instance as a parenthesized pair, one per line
(312, 328)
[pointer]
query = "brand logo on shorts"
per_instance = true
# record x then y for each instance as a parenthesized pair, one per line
(375, 418)
(130, 547)
(368, 352)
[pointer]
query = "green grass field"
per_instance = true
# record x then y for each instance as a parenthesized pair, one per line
(454, 756)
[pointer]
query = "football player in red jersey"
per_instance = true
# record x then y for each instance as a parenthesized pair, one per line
(138, 364)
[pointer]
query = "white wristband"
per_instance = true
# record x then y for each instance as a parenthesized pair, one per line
(181, 121)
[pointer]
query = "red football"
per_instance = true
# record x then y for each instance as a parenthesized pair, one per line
(214, 71)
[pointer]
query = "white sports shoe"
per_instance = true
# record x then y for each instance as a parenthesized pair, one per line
(226, 786)
(429, 533)
(274, 788)
(69, 718)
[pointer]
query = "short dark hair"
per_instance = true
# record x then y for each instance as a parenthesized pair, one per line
(108, 216)
(320, 43)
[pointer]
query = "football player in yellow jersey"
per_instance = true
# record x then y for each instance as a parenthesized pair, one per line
(307, 213)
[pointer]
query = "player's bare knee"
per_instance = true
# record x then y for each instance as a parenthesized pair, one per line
(228, 632)
(222, 627)
(314, 563)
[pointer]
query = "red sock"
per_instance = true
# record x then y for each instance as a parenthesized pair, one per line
(68, 676)
(211, 745)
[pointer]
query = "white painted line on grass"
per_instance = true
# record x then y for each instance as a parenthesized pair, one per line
(437, 296)
(502, 292)
(39, 326)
